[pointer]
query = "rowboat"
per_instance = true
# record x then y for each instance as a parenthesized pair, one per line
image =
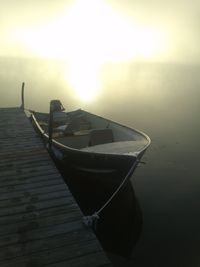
(90, 144)
(90, 147)
(97, 158)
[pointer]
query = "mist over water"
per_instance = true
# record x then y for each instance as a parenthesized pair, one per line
(43, 81)
(163, 101)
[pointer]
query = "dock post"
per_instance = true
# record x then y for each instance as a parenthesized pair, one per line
(22, 94)
(50, 124)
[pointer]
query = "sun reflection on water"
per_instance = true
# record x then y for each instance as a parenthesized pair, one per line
(84, 79)
(87, 35)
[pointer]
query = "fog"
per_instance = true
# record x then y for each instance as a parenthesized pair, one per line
(177, 20)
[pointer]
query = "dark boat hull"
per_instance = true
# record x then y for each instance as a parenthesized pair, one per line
(103, 172)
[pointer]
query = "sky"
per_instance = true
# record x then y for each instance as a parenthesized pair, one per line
(107, 30)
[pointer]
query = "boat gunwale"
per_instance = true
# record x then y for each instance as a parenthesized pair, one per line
(74, 150)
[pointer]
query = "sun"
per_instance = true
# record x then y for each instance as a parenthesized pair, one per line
(84, 80)
(88, 34)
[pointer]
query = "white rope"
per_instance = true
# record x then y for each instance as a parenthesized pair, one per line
(91, 220)
(29, 110)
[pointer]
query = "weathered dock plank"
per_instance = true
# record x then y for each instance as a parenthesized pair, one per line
(40, 223)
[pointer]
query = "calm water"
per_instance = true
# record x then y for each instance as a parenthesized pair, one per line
(163, 101)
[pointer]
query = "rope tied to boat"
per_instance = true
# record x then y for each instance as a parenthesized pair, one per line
(91, 220)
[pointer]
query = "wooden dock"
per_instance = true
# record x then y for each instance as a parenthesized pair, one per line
(40, 223)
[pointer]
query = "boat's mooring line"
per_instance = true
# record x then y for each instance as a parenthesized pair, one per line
(91, 220)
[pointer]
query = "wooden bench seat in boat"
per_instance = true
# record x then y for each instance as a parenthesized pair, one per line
(85, 138)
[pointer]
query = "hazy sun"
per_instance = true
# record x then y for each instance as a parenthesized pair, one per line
(88, 34)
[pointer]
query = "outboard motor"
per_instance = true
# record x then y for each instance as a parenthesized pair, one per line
(59, 117)
(56, 105)
(56, 117)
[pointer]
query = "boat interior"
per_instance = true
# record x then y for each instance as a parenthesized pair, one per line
(85, 131)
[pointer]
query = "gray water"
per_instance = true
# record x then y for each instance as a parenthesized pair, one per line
(163, 101)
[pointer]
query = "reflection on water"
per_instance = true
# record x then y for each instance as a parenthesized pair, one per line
(163, 101)
(120, 222)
